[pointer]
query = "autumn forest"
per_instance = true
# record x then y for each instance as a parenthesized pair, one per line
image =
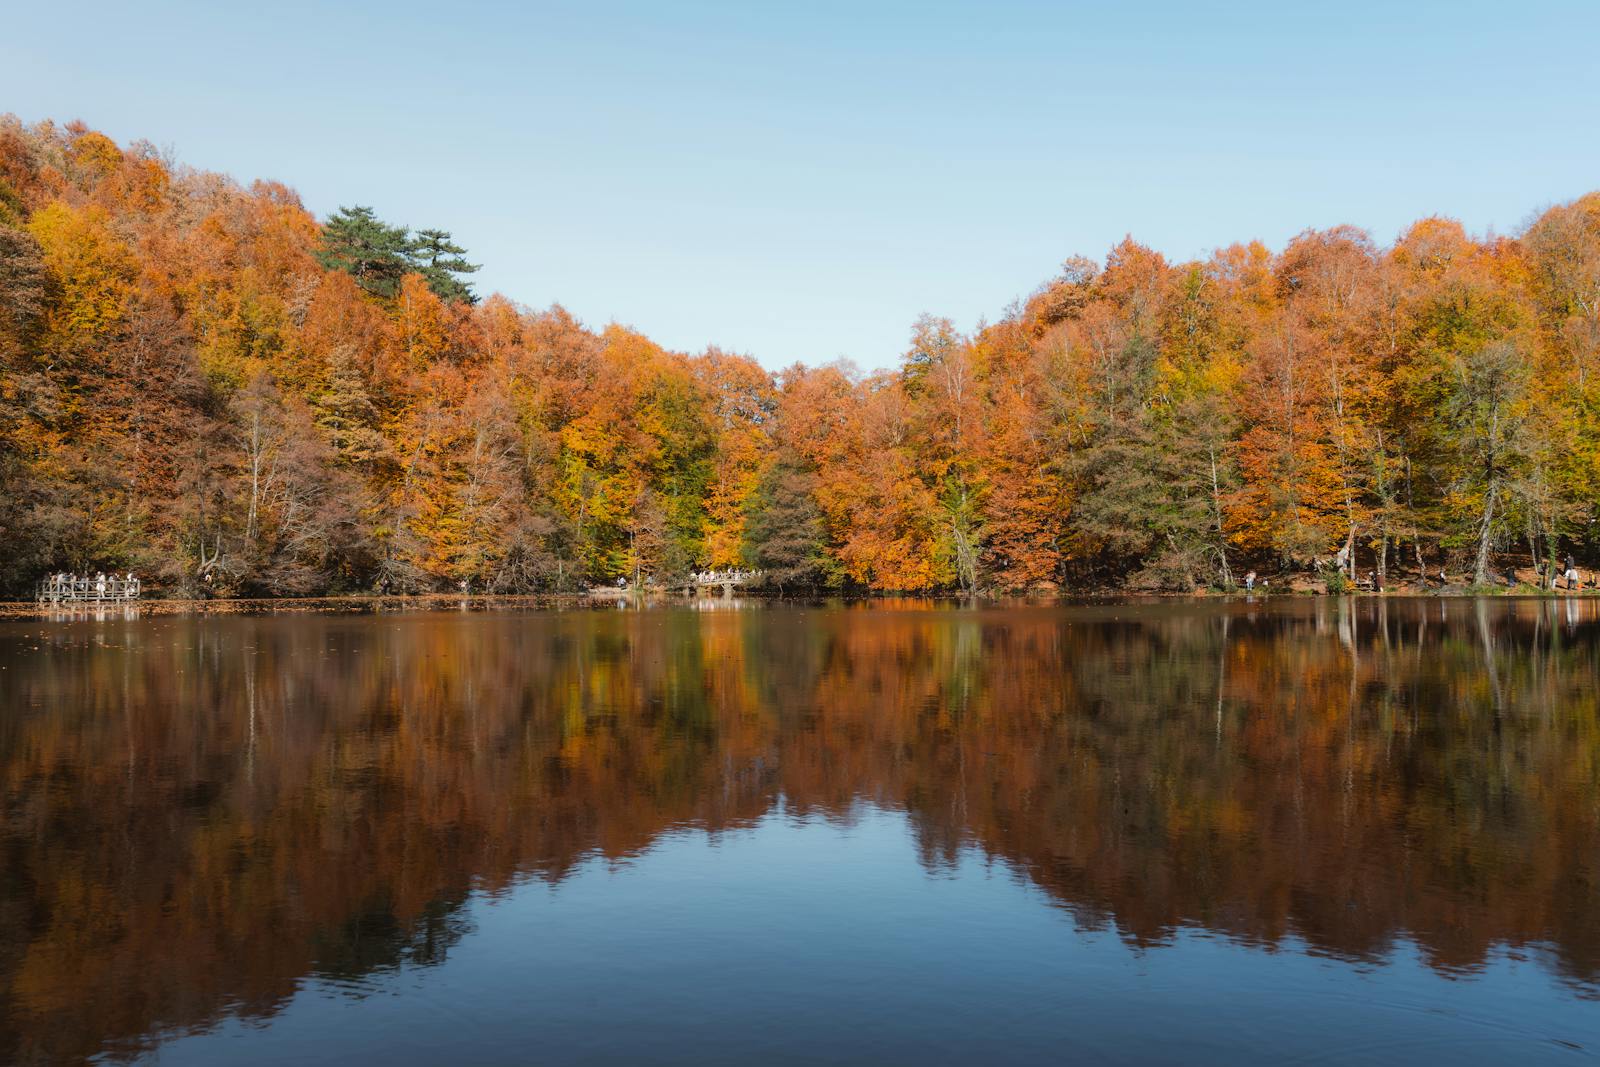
(202, 382)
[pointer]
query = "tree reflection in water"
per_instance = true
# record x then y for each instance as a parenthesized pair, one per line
(201, 812)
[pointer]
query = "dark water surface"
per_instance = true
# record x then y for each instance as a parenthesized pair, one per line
(1299, 831)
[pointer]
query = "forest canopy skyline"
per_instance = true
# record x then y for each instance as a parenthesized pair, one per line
(800, 184)
(880, 356)
(205, 382)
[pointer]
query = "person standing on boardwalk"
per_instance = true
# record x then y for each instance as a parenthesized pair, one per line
(1250, 582)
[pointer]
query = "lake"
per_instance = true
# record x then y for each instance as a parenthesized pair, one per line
(1214, 831)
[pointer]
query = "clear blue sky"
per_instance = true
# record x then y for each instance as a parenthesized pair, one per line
(799, 181)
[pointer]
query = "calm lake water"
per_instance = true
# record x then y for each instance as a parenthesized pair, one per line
(1312, 830)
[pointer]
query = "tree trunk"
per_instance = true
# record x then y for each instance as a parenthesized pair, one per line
(255, 479)
(1480, 574)
(1216, 509)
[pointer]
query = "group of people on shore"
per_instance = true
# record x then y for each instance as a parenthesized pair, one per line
(732, 576)
(1569, 577)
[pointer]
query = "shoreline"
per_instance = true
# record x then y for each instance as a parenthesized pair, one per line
(374, 604)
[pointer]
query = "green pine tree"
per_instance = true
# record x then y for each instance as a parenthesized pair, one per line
(368, 249)
(438, 259)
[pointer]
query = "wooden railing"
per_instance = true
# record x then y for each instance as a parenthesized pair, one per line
(78, 589)
(727, 578)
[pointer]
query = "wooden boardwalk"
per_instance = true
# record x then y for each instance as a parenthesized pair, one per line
(79, 589)
(697, 582)
(727, 581)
